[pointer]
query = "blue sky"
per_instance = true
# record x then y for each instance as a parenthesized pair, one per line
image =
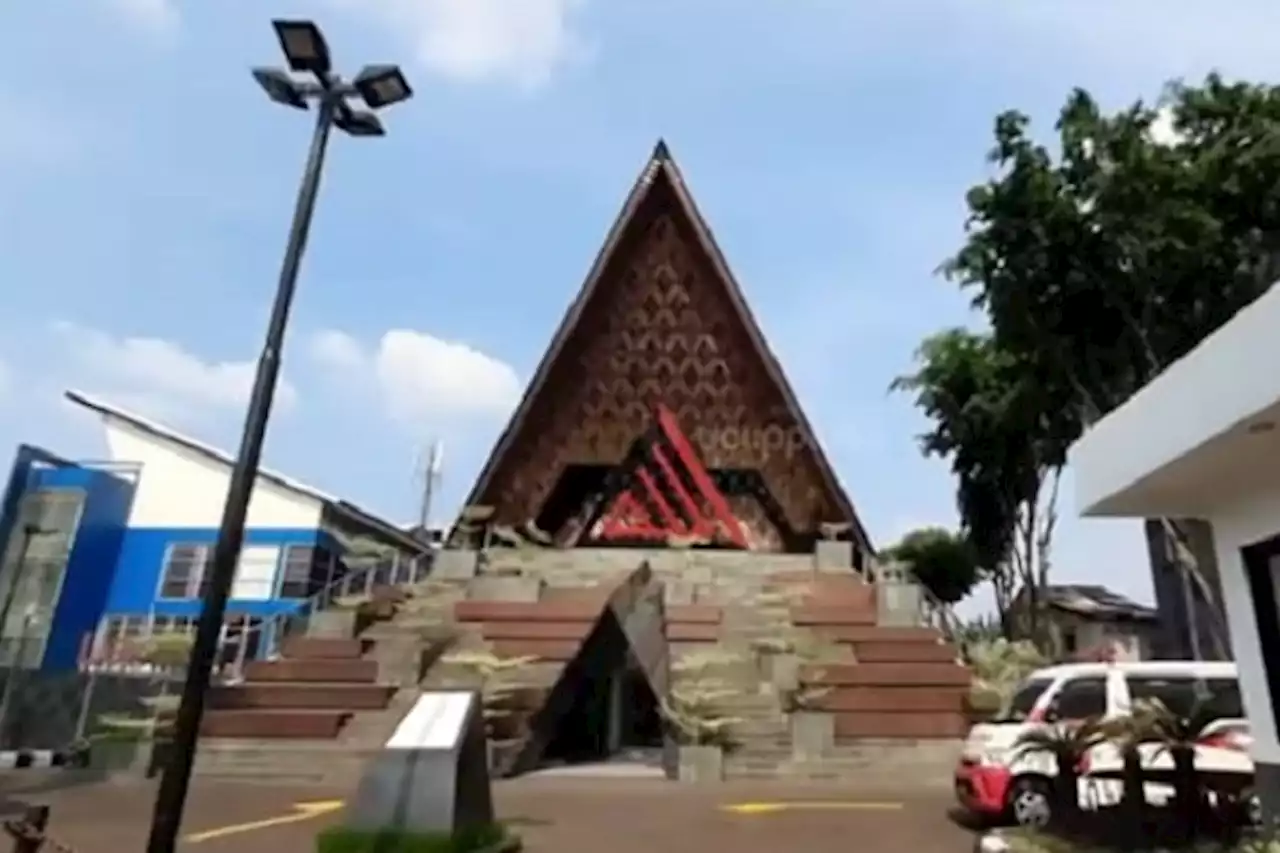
(145, 188)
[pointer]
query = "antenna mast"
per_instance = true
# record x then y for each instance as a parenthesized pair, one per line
(432, 472)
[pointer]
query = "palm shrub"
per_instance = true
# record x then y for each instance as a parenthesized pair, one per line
(167, 653)
(498, 681)
(1154, 723)
(693, 708)
(998, 667)
(1126, 736)
(1066, 744)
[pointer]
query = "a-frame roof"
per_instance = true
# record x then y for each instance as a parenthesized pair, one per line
(661, 169)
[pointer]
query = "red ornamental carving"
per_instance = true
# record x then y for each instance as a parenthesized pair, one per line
(656, 504)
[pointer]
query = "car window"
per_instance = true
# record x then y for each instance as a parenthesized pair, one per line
(1081, 698)
(1211, 698)
(1024, 699)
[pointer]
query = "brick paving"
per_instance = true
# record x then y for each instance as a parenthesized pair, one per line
(578, 815)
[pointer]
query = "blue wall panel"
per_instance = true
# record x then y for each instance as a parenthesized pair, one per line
(141, 562)
(92, 560)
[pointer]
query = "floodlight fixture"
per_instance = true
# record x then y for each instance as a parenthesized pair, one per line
(304, 46)
(358, 122)
(382, 85)
(280, 87)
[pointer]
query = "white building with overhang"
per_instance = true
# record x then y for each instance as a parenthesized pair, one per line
(1202, 441)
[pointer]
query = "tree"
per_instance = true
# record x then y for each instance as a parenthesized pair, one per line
(942, 562)
(1104, 258)
(999, 426)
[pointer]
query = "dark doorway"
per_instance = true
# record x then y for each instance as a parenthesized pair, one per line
(582, 734)
(639, 729)
(613, 716)
(1261, 562)
(576, 486)
(604, 706)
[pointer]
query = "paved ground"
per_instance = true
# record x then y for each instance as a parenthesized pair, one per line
(552, 815)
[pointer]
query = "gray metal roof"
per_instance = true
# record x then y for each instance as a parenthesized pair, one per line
(1095, 602)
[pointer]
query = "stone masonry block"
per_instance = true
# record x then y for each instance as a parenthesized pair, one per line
(898, 604)
(677, 592)
(812, 735)
(831, 556)
(455, 564)
(338, 623)
(497, 588)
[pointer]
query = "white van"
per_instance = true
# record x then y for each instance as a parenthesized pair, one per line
(995, 782)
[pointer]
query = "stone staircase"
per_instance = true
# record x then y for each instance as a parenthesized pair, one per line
(892, 702)
(310, 692)
(316, 714)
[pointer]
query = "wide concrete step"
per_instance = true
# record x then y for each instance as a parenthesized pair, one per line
(897, 699)
(313, 670)
(281, 762)
(923, 725)
(324, 648)
(303, 695)
(888, 675)
(276, 724)
(905, 652)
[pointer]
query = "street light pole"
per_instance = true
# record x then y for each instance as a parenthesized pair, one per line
(379, 86)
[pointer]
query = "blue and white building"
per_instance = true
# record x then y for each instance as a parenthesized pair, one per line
(99, 551)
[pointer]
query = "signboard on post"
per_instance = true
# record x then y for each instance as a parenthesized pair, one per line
(433, 773)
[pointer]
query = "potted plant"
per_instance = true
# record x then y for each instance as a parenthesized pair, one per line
(813, 730)
(497, 680)
(138, 743)
(1152, 722)
(1126, 735)
(983, 702)
(694, 712)
(1057, 802)
(700, 732)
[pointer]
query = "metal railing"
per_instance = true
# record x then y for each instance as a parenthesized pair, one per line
(248, 637)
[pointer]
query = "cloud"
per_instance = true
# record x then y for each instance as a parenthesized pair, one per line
(153, 17)
(159, 376)
(421, 378)
(522, 42)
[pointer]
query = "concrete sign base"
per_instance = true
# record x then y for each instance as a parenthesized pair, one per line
(433, 774)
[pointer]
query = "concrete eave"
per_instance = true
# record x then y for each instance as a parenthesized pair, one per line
(1202, 430)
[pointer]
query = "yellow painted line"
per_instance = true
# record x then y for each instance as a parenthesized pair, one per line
(301, 812)
(774, 808)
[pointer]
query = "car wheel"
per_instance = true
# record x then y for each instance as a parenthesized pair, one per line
(1030, 802)
(1252, 809)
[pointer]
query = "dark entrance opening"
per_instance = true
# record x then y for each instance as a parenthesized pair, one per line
(1261, 565)
(1261, 562)
(576, 486)
(609, 711)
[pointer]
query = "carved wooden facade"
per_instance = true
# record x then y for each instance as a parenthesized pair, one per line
(661, 322)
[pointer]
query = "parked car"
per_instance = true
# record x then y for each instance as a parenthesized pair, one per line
(998, 782)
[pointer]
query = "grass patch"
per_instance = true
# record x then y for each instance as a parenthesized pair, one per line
(346, 839)
(1023, 840)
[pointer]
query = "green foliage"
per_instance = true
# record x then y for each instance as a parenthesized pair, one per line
(694, 707)
(985, 410)
(345, 839)
(980, 629)
(169, 652)
(1099, 258)
(943, 562)
(497, 678)
(1110, 254)
(1026, 840)
(1000, 665)
(1067, 743)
